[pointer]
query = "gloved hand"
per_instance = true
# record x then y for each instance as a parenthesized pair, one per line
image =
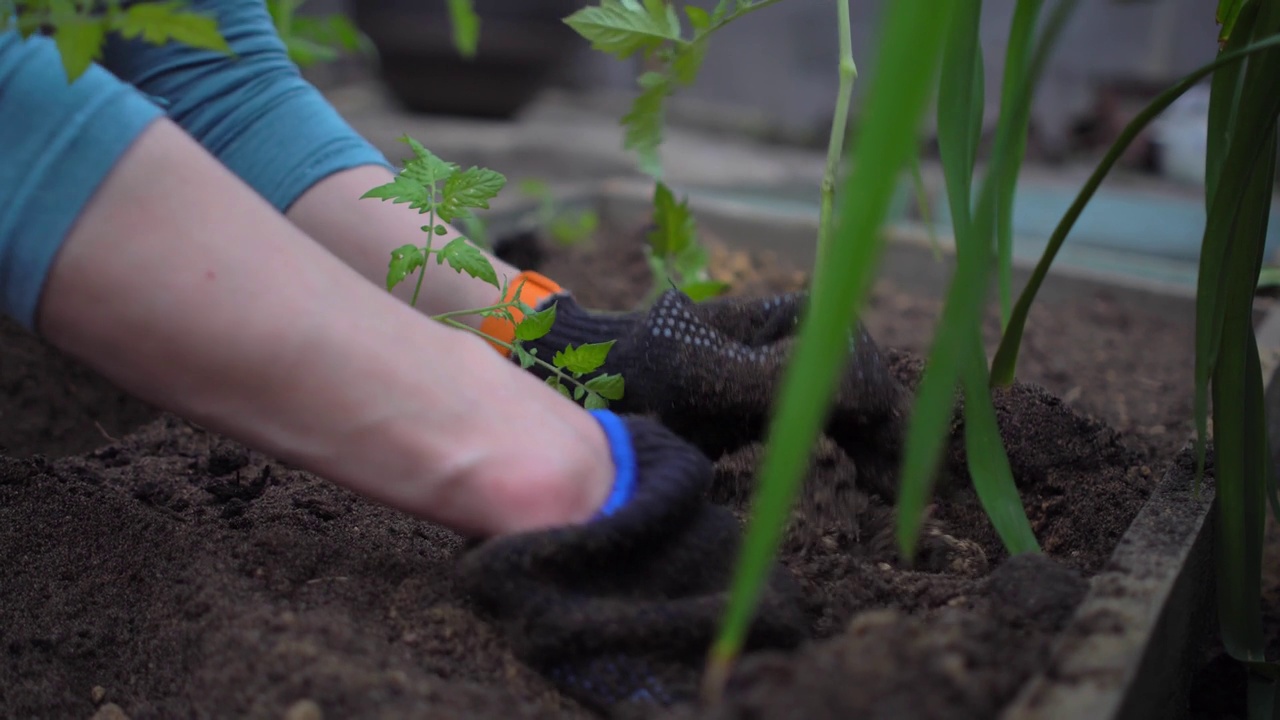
(709, 371)
(620, 611)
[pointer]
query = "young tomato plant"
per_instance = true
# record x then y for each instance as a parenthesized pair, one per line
(446, 193)
(674, 252)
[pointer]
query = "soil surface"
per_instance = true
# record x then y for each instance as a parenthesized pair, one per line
(174, 573)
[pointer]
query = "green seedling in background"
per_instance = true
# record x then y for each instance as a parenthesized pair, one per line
(673, 250)
(312, 40)
(564, 226)
(446, 193)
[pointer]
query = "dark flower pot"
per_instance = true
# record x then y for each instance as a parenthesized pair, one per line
(523, 43)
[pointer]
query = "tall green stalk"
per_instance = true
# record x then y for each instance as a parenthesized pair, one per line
(886, 140)
(839, 128)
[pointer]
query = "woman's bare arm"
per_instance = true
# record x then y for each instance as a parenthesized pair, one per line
(185, 287)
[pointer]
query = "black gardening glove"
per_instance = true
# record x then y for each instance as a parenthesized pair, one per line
(709, 371)
(619, 612)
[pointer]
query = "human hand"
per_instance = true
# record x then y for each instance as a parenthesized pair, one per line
(710, 372)
(620, 610)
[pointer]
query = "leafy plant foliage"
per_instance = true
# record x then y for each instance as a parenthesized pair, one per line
(446, 193)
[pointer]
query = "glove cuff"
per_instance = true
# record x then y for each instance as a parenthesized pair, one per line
(624, 460)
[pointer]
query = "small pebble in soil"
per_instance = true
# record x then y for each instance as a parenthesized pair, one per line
(98, 693)
(304, 710)
(110, 711)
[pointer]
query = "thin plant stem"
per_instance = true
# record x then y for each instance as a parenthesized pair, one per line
(839, 127)
(471, 311)
(426, 252)
(511, 347)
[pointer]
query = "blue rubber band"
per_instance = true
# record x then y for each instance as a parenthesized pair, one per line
(624, 460)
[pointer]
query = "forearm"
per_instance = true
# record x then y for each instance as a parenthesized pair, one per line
(185, 287)
(364, 232)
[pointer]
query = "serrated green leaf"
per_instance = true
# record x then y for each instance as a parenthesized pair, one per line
(554, 382)
(699, 18)
(688, 61)
(536, 324)
(675, 226)
(472, 188)
(691, 263)
(161, 22)
(524, 357)
(611, 386)
(425, 166)
(625, 27)
(643, 122)
(466, 27)
(79, 40)
(578, 392)
(403, 189)
(404, 260)
(721, 10)
(465, 257)
(699, 290)
(595, 402)
(584, 358)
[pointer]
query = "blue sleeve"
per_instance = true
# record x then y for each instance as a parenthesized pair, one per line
(58, 141)
(253, 111)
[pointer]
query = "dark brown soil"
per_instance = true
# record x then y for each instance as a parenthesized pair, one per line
(173, 573)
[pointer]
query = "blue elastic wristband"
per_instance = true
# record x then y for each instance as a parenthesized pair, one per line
(624, 461)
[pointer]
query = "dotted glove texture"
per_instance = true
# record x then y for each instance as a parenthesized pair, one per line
(709, 372)
(619, 612)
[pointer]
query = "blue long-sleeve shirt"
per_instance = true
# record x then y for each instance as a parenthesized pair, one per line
(59, 140)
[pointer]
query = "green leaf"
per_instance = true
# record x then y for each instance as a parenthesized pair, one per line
(465, 257)
(987, 460)
(554, 382)
(536, 324)
(416, 184)
(1227, 14)
(79, 40)
(688, 61)
(466, 27)
(676, 227)
(404, 260)
(304, 52)
(403, 189)
(1004, 366)
(525, 357)
(161, 22)
(610, 386)
(595, 402)
(625, 27)
(584, 358)
(570, 228)
(643, 122)
(691, 263)
(699, 290)
(472, 188)
(721, 10)
(699, 18)
(909, 39)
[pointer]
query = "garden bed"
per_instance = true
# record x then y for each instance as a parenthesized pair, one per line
(156, 568)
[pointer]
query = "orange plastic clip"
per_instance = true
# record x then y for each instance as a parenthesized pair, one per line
(531, 288)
